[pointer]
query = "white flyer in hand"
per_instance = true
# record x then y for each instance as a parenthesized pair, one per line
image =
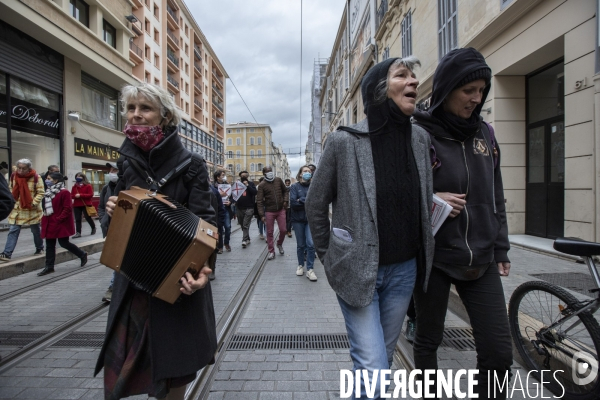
(439, 212)
(238, 190)
(225, 188)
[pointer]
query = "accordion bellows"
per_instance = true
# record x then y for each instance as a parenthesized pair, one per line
(153, 241)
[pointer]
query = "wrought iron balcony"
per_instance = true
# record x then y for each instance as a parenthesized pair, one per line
(216, 89)
(383, 8)
(171, 56)
(133, 47)
(172, 81)
(217, 103)
(198, 103)
(219, 79)
(198, 52)
(172, 13)
(171, 34)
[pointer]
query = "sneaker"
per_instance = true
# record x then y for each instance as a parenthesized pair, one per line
(77, 235)
(84, 259)
(280, 247)
(244, 244)
(262, 237)
(107, 295)
(227, 247)
(38, 251)
(300, 270)
(93, 231)
(310, 274)
(271, 256)
(4, 257)
(220, 251)
(289, 234)
(411, 327)
(248, 242)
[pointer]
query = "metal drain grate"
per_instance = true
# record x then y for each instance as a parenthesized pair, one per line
(18, 339)
(459, 339)
(83, 339)
(575, 281)
(289, 342)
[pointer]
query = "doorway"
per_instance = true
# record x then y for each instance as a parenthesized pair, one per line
(545, 198)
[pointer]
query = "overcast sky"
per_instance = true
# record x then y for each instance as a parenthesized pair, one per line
(258, 43)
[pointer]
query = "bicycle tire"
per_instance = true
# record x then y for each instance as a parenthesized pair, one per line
(522, 333)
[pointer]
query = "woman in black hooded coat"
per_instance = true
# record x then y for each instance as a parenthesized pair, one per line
(471, 246)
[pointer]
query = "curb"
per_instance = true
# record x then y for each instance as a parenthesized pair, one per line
(27, 264)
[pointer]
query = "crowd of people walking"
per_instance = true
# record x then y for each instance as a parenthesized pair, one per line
(364, 212)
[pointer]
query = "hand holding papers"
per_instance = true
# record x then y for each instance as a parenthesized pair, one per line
(439, 212)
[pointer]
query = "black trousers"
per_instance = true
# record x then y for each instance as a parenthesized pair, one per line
(484, 301)
(288, 219)
(78, 211)
(65, 244)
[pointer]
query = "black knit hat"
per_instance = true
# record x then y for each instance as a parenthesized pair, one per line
(484, 73)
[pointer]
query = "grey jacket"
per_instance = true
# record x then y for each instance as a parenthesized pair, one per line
(346, 177)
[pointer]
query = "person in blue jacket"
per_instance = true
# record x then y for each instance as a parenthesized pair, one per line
(298, 192)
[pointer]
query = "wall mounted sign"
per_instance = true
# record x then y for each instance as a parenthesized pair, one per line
(99, 151)
(29, 117)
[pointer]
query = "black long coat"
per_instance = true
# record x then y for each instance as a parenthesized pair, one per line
(183, 336)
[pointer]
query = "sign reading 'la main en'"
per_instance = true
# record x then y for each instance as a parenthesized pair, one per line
(99, 151)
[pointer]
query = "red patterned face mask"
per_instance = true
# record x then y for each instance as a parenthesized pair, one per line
(143, 136)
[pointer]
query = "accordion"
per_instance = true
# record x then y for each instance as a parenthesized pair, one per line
(153, 241)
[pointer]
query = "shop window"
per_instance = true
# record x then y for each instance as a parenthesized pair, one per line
(98, 102)
(80, 10)
(109, 33)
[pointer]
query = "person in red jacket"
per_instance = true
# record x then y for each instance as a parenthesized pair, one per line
(82, 193)
(57, 221)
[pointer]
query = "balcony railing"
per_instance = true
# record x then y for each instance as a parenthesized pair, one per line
(219, 79)
(383, 7)
(171, 34)
(198, 52)
(171, 56)
(198, 86)
(216, 89)
(218, 120)
(172, 13)
(198, 103)
(136, 50)
(198, 67)
(217, 103)
(172, 81)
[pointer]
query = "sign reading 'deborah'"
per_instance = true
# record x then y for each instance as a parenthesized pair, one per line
(29, 117)
(99, 151)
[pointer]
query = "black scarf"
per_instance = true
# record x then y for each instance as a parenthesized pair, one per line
(460, 128)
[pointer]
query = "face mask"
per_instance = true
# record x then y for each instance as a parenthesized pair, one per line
(113, 177)
(79, 180)
(306, 176)
(224, 179)
(143, 136)
(49, 182)
(270, 176)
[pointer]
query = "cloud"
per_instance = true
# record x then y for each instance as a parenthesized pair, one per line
(258, 43)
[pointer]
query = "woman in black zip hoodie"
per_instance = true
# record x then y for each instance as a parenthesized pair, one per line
(471, 246)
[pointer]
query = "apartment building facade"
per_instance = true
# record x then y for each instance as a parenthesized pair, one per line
(315, 131)
(170, 50)
(544, 101)
(250, 147)
(62, 63)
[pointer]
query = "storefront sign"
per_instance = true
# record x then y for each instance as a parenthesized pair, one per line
(31, 118)
(99, 151)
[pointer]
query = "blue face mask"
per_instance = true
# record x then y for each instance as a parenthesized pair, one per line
(49, 182)
(306, 176)
(79, 179)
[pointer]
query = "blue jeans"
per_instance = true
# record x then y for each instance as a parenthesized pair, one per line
(261, 226)
(13, 237)
(227, 227)
(374, 330)
(304, 242)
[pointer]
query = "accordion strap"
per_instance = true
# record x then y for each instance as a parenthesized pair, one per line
(156, 185)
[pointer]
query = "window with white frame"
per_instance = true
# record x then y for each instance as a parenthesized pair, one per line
(406, 34)
(447, 29)
(251, 153)
(252, 167)
(230, 154)
(259, 140)
(237, 131)
(259, 167)
(259, 153)
(228, 130)
(238, 167)
(238, 154)
(230, 167)
(251, 141)
(252, 130)
(230, 142)
(238, 141)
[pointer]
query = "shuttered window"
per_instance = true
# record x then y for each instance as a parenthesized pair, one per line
(447, 31)
(406, 32)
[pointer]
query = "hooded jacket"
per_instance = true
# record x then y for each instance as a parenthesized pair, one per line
(479, 234)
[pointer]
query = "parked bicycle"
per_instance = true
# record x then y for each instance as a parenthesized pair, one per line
(556, 333)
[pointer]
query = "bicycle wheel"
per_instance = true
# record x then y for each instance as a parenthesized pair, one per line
(533, 307)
